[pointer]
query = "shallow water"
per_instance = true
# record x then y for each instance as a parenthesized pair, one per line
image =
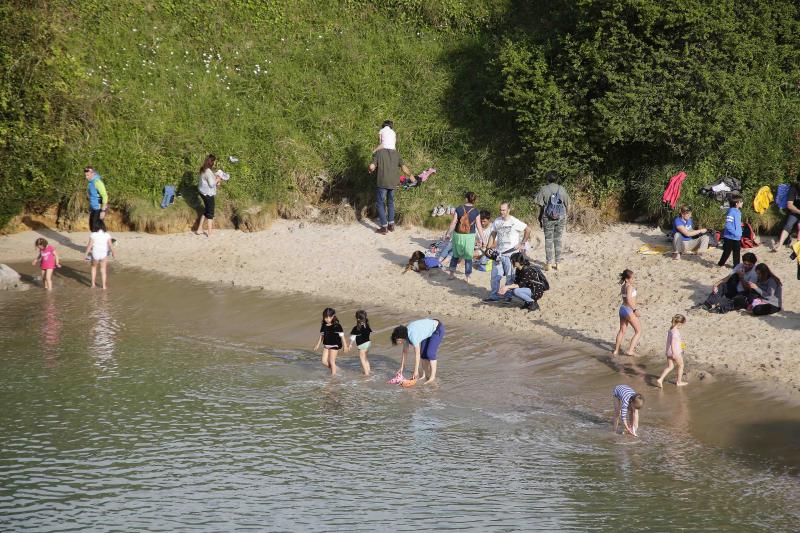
(167, 405)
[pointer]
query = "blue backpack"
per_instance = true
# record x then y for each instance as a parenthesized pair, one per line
(555, 208)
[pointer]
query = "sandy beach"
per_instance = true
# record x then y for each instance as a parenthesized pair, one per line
(352, 263)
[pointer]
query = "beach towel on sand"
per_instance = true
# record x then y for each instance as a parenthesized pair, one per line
(653, 249)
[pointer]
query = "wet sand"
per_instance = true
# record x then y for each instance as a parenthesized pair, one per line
(344, 264)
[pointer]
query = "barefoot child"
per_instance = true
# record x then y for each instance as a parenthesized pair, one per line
(359, 336)
(48, 260)
(100, 246)
(331, 337)
(674, 352)
(627, 403)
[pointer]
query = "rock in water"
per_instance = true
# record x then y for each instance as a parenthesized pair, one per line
(10, 279)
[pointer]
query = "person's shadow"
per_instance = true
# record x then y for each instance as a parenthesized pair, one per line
(51, 234)
(75, 275)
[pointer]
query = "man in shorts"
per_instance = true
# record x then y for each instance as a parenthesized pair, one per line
(425, 335)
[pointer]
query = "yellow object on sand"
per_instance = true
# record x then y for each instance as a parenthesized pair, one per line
(796, 250)
(653, 249)
(763, 199)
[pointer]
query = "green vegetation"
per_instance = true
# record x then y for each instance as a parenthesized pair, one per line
(615, 94)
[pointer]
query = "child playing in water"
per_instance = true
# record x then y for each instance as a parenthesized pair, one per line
(674, 352)
(48, 260)
(331, 337)
(627, 403)
(387, 136)
(100, 246)
(359, 337)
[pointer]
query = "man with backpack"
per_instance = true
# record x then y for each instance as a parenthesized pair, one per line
(553, 200)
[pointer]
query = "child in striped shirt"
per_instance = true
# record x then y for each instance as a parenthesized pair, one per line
(627, 403)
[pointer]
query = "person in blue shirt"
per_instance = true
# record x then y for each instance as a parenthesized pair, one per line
(425, 336)
(732, 234)
(684, 237)
(98, 197)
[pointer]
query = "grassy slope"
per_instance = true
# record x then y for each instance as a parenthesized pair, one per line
(295, 90)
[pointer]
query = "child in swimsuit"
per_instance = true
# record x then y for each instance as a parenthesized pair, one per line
(628, 313)
(331, 337)
(627, 403)
(359, 337)
(674, 352)
(48, 260)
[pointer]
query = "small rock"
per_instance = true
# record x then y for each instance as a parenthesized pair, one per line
(10, 280)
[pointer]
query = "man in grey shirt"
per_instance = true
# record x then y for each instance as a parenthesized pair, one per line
(389, 164)
(554, 201)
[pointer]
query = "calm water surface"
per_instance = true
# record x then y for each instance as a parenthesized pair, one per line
(166, 405)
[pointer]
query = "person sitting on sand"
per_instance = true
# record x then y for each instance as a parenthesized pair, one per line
(734, 284)
(425, 336)
(529, 282)
(675, 348)
(767, 292)
(627, 403)
(684, 237)
(628, 313)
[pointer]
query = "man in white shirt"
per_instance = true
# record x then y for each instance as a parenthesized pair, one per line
(508, 235)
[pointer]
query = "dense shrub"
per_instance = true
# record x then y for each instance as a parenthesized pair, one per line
(632, 90)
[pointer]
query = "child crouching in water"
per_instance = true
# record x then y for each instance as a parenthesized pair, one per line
(359, 337)
(627, 403)
(48, 260)
(331, 337)
(674, 352)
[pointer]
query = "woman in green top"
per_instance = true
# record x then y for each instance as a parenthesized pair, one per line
(466, 221)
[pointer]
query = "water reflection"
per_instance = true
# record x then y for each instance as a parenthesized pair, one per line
(51, 329)
(103, 335)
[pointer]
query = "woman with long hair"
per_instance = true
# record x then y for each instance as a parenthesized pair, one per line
(208, 193)
(628, 313)
(768, 290)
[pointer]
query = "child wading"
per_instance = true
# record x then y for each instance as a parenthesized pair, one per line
(359, 337)
(331, 337)
(100, 246)
(627, 403)
(48, 260)
(675, 348)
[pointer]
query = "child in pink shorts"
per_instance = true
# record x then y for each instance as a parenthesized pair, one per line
(48, 261)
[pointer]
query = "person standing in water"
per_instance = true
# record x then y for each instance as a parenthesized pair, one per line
(425, 336)
(100, 246)
(331, 337)
(674, 352)
(628, 313)
(48, 260)
(627, 403)
(359, 337)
